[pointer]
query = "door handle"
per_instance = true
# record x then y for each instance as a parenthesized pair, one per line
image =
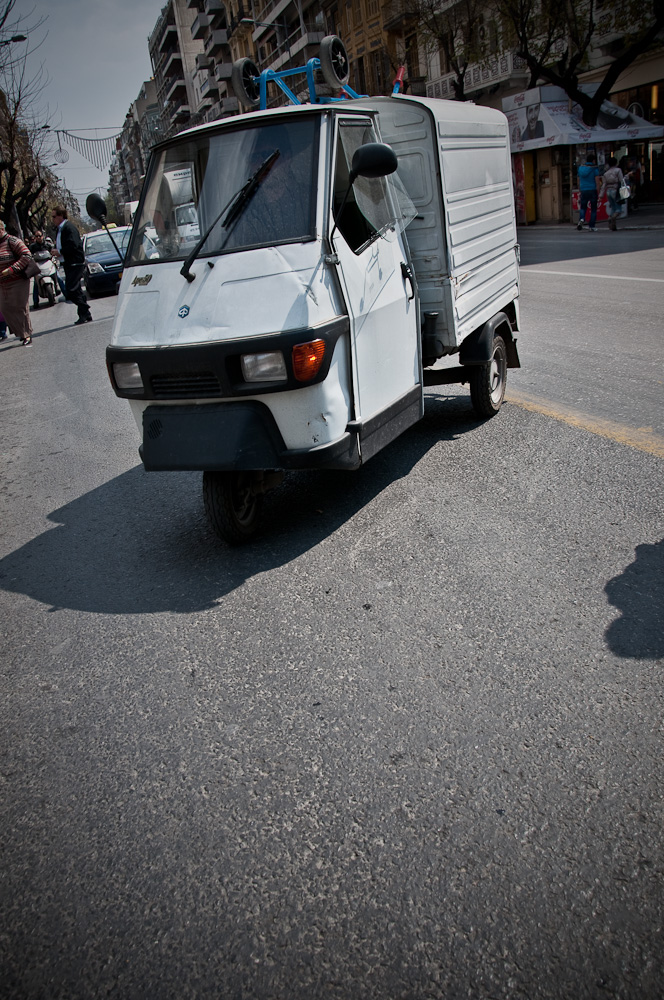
(407, 273)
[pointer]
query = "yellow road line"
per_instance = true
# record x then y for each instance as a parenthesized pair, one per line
(642, 438)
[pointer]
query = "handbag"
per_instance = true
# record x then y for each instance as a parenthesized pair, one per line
(624, 191)
(32, 270)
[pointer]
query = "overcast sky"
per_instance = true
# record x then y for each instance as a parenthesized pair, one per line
(95, 55)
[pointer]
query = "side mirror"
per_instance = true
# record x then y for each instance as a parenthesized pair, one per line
(96, 207)
(374, 159)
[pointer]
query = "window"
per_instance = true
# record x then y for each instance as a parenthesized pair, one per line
(380, 73)
(193, 183)
(412, 56)
(362, 213)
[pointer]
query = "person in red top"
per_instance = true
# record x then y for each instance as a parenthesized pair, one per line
(14, 287)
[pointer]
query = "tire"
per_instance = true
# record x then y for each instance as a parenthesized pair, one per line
(50, 295)
(244, 83)
(231, 505)
(488, 382)
(334, 63)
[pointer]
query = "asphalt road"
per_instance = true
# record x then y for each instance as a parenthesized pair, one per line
(406, 745)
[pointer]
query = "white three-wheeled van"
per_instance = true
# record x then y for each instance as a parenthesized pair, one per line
(330, 276)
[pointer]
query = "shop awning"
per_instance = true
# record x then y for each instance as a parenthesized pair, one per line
(545, 116)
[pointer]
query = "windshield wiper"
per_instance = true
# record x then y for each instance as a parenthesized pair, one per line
(231, 210)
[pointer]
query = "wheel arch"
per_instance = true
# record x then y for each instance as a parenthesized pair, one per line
(477, 348)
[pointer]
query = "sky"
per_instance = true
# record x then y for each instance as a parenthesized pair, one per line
(95, 57)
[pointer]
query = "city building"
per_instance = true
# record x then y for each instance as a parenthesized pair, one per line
(496, 76)
(276, 34)
(173, 52)
(142, 128)
(213, 93)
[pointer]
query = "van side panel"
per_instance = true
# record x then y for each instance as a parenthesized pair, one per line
(454, 162)
(479, 215)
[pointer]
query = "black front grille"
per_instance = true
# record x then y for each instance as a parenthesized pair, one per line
(185, 385)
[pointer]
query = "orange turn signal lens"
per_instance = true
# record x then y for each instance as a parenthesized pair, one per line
(307, 359)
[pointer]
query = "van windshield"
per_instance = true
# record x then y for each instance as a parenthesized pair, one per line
(190, 182)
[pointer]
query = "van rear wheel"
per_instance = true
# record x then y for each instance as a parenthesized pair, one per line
(232, 505)
(488, 382)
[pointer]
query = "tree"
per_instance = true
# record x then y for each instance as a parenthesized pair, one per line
(453, 29)
(561, 39)
(27, 187)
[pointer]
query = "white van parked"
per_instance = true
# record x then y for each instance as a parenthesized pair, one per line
(301, 328)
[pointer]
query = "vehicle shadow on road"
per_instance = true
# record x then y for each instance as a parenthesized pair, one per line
(140, 544)
(638, 592)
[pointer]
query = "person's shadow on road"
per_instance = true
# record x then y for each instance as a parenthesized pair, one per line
(140, 544)
(638, 592)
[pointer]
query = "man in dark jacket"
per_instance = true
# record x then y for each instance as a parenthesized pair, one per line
(70, 248)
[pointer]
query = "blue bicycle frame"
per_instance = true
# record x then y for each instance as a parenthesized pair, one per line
(280, 75)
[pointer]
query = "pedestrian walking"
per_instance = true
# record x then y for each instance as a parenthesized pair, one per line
(70, 248)
(14, 286)
(39, 242)
(611, 182)
(589, 182)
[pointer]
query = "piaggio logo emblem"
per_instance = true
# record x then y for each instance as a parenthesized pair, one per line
(183, 311)
(145, 280)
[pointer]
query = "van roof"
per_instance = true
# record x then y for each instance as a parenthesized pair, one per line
(442, 110)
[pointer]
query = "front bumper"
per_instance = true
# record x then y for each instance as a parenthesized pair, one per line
(238, 435)
(103, 283)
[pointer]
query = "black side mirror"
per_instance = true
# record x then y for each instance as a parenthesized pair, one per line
(374, 159)
(96, 207)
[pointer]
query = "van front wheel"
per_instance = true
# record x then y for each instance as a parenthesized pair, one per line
(488, 382)
(232, 505)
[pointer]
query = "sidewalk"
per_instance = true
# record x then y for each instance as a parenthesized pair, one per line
(647, 217)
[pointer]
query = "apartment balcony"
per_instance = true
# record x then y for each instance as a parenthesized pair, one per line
(223, 71)
(502, 68)
(175, 89)
(288, 50)
(235, 25)
(203, 61)
(395, 15)
(214, 7)
(169, 39)
(192, 4)
(200, 25)
(172, 64)
(215, 40)
(230, 106)
(272, 10)
(180, 111)
(206, 82)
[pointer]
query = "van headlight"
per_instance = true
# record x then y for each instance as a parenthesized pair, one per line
(127, 375)
(267, 367)
(94, 268)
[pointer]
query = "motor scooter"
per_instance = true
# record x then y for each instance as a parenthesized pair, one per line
(348, 249)
(45, 281)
